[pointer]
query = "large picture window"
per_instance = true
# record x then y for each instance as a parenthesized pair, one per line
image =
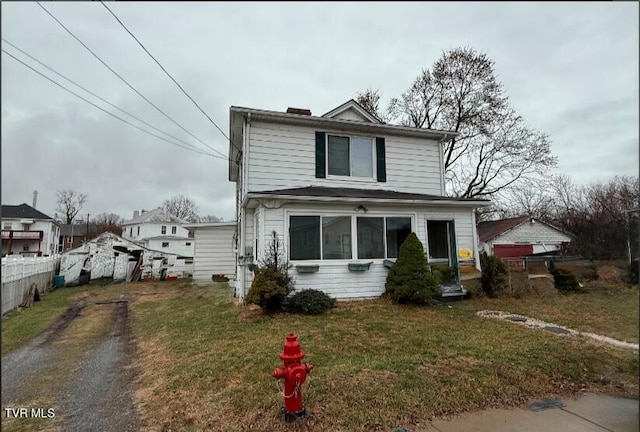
(370, 237)
(350, 156)
(336, 235)
(398, 229)
(332, 237)
(304, 237)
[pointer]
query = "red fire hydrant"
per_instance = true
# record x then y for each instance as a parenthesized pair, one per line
(294, 374)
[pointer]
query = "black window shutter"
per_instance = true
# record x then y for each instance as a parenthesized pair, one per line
(381, 164)
(321, 156)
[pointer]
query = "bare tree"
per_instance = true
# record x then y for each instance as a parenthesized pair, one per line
(70, 203)
(210, 219)
(104, 222)
(182, 207)
(494, 149)
(108, 219)
(370, 100)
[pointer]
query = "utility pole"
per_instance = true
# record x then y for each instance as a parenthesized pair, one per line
(86, 233)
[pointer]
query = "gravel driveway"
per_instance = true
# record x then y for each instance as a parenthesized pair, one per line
(100, 396)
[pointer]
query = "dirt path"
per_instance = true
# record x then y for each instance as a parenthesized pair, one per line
(21, 365)
(99, 397)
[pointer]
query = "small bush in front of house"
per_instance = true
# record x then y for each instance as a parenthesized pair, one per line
(409, 280)
(309, 302)
(271, 281)
(447, 274)
(565, 281)
(494, 279)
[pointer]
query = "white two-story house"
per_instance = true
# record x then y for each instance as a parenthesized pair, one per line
(28, 232)
(160, 231)
(342, 192)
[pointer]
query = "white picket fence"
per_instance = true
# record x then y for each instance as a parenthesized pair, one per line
(19, 274)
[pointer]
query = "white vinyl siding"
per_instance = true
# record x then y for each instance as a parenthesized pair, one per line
(333, 276)
(214, 252)
(283, 156)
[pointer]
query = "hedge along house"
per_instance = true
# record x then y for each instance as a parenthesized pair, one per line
(342, 192)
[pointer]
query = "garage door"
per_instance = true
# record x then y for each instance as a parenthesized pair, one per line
(512, 251)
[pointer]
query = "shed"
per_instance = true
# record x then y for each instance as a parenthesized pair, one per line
(214, 250)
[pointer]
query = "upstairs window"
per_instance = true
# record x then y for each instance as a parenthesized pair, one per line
(163, 230)
(173, 230)
(350, 156)
(138, 231)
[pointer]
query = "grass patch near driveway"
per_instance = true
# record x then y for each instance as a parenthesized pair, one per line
(23, 324)
(612, 312)
(205, 363)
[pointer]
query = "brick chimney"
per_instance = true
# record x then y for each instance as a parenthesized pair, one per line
(299, 111)
(136, 213)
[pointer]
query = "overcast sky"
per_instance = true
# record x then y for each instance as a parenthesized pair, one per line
(570, 69)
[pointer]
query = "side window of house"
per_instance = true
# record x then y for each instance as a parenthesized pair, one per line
(138, 231)
(165, 244)
(187, 244)
(7, 226)
(173, 230)
(163, 230)
(350, 156)
(131, 232)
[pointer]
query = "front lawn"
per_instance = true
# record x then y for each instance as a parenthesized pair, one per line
(205, 362)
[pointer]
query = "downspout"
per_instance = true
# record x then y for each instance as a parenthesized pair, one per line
(441, 154)
(243, 221)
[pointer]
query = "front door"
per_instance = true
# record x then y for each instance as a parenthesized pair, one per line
(441, 243)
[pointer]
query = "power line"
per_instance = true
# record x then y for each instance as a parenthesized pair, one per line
(111, 114)
(167, 73)
(97, 96)
(125, 81)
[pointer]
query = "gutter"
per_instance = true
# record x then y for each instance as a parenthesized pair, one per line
(444, 202)
(343, 124)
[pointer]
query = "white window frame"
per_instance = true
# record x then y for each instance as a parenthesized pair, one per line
(165, 243)
(163, 229)
(174, 229)
(7, 226)
(372, 179)
(413, 216)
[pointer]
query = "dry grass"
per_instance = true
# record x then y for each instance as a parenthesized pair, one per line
(610, 311)
(205, 363)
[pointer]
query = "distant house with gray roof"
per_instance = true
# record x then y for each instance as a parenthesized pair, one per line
(159, 230)
(28, 232)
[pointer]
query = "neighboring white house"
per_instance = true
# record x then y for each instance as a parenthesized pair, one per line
(158, 230)
(520, 236)
(28, 232)
(342, 192)
(214, 250)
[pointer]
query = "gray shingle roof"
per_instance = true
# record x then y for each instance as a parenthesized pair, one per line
(23, 211)
(155, 216)
(319, 191)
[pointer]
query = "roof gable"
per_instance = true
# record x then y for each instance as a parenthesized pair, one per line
(23, 211)
(353, 111)
(491, 229)
(155, 216)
